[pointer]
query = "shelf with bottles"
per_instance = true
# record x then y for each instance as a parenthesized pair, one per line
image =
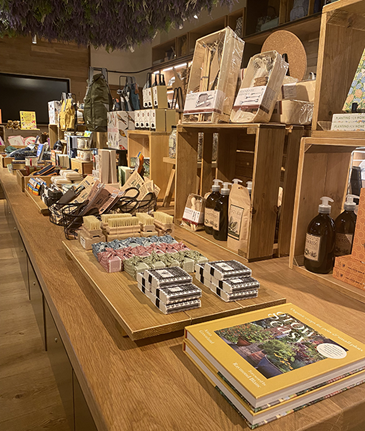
(323, 170)
(249, 152)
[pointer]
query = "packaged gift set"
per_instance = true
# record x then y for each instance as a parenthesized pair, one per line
(213, 77)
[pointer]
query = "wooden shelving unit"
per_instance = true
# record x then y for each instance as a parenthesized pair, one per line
(323, 170)
(341, 45)
(250, 152)
(306, 28)
(154, 145)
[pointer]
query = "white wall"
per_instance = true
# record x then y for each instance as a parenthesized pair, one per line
(141, 58)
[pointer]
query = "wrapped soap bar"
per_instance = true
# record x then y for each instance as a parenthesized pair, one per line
(236, 284)
(176, 293)
(168, 276)
(235, 296)
(222, 270)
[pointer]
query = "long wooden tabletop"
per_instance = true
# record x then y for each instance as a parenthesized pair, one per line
(151, 384)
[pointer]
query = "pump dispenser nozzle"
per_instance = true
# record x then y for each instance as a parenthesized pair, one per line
(249, 186)
(225, 190)
(350, 205)
(325, 208)
(236, 181)
(216, 187)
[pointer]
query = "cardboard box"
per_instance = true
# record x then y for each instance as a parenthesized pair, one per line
(147, 115)
(159, 93)
(157, 120)
(172, 118)
(306, 90)
(119, 122)
(23, 178)
(5, 161)
(137, 117)
(292, 112)
(348, 122)
(349, 277)
(358, 247)
(84, 168)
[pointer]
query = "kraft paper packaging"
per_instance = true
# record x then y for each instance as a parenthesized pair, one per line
(239, 213)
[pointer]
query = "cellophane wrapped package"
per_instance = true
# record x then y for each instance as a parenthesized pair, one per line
(213, 77)
(260, 88)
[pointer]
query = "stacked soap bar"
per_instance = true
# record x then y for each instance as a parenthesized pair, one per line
(230, 280)
(185, 259)
(128, 253)
(132, 242)
(170, 289)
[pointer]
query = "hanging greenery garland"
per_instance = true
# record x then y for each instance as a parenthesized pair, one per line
(114, 24)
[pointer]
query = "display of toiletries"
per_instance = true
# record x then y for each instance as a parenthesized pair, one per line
(210, 204)
(220, 221)
(345, 227)
(320, 240)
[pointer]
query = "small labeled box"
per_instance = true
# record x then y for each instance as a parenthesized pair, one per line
(159, 94)
(158, 121)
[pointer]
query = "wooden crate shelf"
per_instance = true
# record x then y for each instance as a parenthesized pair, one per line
(323, 170)
(154, 145)
(341, 44)
(248, 152)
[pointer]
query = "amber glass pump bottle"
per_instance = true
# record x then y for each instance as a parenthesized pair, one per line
(320, 240)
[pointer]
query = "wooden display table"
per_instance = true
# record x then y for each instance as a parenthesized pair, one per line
(154, 145)
(151, 384)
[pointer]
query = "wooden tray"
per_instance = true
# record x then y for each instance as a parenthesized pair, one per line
(136, 314)
(41, 206)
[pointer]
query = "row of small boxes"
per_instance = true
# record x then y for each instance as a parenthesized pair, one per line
(159, 120)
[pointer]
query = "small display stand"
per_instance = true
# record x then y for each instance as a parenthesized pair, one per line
(154, 145)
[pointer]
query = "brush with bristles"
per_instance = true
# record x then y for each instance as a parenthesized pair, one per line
(163, 217)
(163, 220)
(123, 221)
(146, 221)
(123, 225)
(91, 223)
(106, 217)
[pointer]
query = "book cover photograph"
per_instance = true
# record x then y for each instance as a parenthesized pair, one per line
(276, 352)
(273, 346)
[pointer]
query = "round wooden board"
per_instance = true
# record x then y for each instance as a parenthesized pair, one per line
(285, 42)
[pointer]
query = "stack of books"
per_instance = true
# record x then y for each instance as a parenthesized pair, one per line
(230, 280)
(170, 289)
(272, 362)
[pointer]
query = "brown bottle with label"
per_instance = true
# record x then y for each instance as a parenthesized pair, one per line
(220, 221)
(345, 227)
(210, 206)
(320, 240)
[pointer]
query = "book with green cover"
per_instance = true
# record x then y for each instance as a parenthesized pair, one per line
(274, 353)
